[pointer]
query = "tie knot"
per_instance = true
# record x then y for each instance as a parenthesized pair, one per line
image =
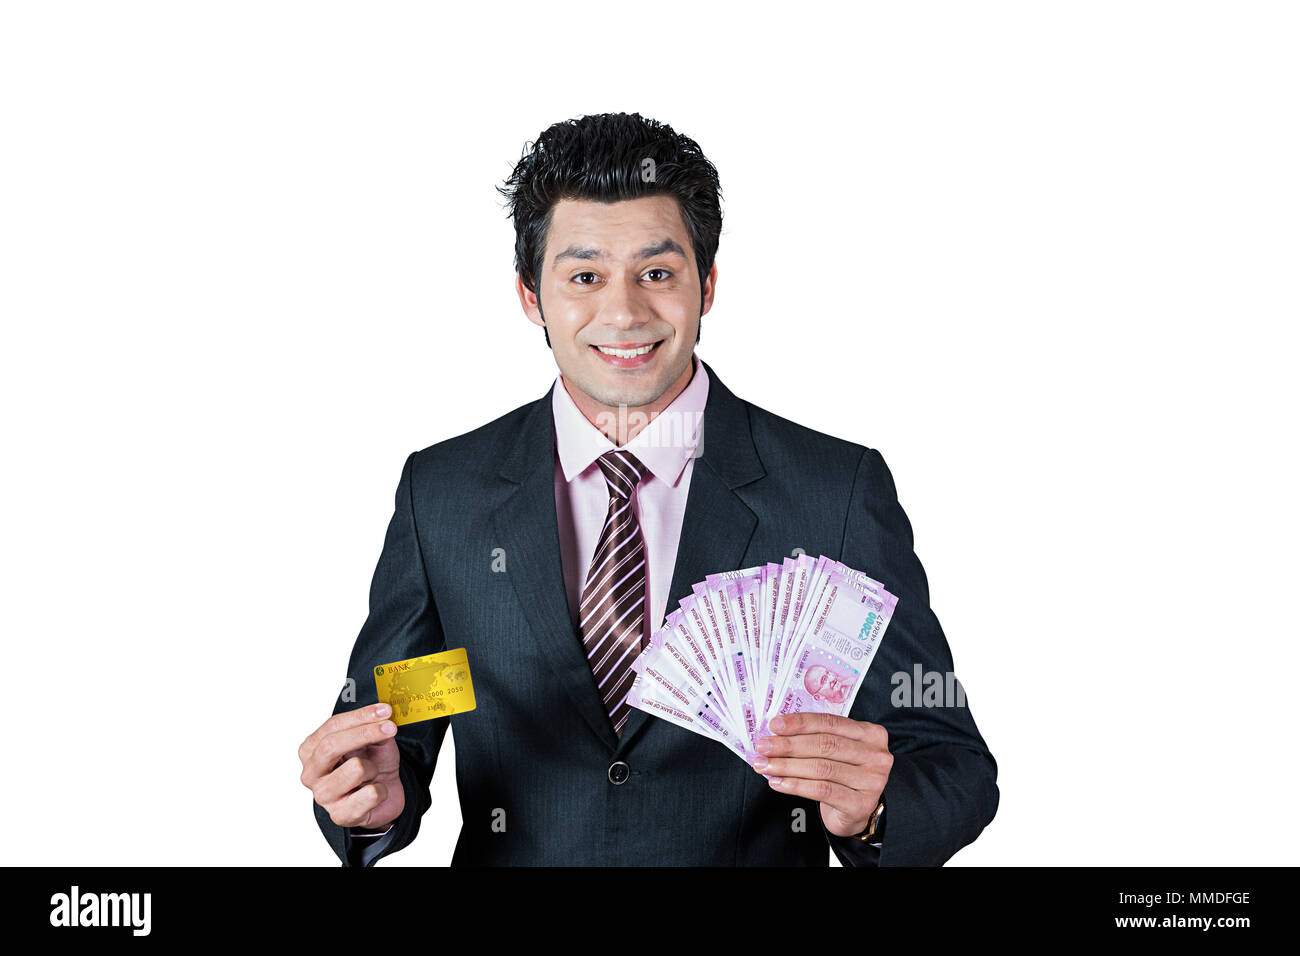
(623, 471)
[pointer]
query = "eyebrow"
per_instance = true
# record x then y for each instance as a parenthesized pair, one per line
(662, 247)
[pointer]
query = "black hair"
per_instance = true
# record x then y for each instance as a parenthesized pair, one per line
(602, 157)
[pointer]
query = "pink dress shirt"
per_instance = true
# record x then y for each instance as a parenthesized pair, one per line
(667, 448)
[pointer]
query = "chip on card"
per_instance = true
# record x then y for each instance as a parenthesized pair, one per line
(436, 685)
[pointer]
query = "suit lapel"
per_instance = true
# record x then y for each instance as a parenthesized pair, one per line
(528, 529)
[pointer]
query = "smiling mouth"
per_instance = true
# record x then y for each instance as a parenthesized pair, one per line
(627, 351)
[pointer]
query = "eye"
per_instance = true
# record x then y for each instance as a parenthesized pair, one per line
(578, 278)
(663, 272)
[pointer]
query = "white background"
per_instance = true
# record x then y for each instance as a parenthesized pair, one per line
(1041, 255)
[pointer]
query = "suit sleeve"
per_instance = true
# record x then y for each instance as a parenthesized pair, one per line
(942, 789)
(402, 623)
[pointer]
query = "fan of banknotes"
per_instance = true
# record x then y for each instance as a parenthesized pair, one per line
(750, 645)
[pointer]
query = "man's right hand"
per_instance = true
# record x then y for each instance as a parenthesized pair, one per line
(350, 765)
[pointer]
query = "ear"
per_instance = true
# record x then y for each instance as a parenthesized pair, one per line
(528, 300)
(710, 281)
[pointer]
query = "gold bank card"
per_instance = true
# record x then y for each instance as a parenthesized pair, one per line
(437, 685)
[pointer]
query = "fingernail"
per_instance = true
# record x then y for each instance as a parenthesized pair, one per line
(778, 724)
(383, 710)
(765, 745)
(775, 781)
(388, 727)
(760, 763)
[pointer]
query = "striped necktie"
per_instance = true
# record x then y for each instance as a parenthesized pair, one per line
(612, 610)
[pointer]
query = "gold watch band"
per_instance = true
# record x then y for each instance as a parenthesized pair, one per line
(869, 834)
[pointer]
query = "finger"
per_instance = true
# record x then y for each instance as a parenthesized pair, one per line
(853, 776)
(812, 723)
(354, 810)
(346, 777)
(831, 746)
(341, 721)
(384, 755)
(852, 803)
(331, 750)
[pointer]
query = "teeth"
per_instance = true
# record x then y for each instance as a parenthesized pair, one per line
(626, 353)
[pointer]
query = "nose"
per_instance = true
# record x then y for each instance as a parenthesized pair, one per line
(621, 306)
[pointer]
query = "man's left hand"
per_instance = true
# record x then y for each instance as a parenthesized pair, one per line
(842, 763)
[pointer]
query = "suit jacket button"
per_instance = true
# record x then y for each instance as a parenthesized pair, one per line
(619, 772)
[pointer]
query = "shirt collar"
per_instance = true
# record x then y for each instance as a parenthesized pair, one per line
(664, 446)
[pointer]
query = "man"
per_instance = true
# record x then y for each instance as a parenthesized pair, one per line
(502, 539)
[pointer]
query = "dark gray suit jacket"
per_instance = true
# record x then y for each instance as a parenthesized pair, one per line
(533, 758)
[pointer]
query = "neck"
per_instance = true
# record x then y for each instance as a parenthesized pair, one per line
(621, 423)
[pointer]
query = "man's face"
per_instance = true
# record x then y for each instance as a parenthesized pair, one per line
(620, 276)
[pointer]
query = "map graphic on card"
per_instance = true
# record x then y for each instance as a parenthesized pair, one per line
(749, 645)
